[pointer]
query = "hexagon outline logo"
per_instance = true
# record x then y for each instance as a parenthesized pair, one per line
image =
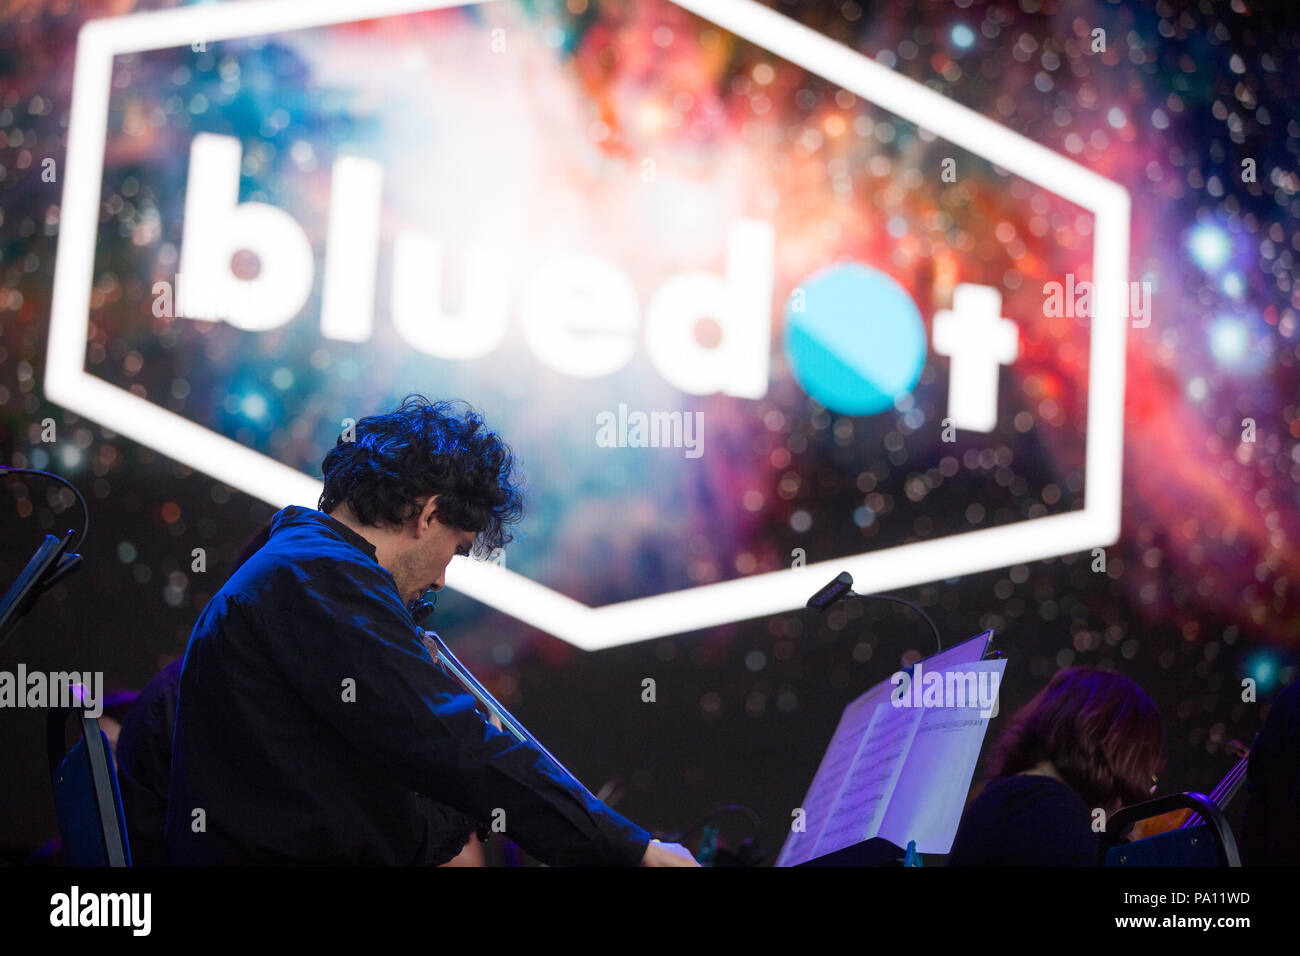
(68, 384)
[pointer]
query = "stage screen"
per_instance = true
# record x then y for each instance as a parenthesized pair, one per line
(941, 294)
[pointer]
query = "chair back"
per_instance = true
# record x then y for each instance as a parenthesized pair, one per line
(86, 796)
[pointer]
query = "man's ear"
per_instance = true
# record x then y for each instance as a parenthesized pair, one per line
(427, 516)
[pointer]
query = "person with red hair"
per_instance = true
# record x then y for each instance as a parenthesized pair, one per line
(1087, 744)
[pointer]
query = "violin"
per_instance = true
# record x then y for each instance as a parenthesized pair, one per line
(1181, 819)
(443, 657)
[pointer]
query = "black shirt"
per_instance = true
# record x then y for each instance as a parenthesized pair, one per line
(311, 718)
(144, 761)
(1026, 820)
(1270, 822)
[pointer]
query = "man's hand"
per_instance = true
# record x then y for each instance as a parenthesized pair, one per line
(667, 854)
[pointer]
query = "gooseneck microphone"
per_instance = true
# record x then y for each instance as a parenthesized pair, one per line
(842, 586)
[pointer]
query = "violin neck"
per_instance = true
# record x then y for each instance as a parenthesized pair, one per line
(1225, 791)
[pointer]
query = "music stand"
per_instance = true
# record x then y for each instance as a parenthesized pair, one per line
(898, 769)
(49, 565)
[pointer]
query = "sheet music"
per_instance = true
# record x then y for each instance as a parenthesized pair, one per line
(929, 795)
(967, 652)
(866, 790)
(819, 803)
(868, 784)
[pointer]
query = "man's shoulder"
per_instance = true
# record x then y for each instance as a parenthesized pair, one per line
(304, 544)
(306, 558)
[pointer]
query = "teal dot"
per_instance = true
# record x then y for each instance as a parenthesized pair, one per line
(854, 339)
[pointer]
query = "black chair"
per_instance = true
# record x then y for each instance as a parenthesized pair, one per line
(86, 795)
(1208, 843)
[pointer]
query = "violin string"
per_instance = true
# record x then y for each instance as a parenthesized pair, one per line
(1230, 781)
(1226, 786)
(1236, 780)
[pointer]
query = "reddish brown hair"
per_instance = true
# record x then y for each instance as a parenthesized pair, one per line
(1099, 729)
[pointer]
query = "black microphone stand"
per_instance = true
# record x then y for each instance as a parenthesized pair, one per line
(842, 586)
(52, 562)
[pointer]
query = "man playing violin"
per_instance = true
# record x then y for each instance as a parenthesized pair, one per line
(313, 725)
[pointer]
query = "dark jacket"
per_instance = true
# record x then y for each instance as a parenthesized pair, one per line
(311, 717)
(1026, 820)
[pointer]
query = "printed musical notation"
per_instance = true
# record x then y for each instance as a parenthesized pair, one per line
(895, 772)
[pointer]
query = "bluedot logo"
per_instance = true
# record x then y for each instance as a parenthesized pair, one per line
(854, 339)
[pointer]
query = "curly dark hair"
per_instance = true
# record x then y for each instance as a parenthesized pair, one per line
(1099, 729)
(424, 448)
